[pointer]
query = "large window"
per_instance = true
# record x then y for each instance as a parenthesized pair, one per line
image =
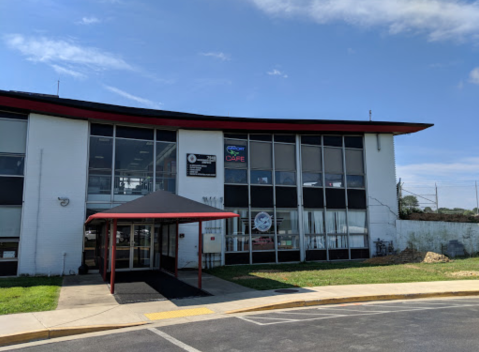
(262, 175)
(128, 162)
(13, 135)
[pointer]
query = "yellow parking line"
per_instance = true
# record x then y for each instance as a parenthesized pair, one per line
(179, 313)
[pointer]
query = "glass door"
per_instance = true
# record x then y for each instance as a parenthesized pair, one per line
(141, 246)
(123, 239)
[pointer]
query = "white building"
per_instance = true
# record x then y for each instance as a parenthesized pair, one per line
(326, 189)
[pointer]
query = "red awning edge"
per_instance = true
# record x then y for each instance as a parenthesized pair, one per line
(193, 216)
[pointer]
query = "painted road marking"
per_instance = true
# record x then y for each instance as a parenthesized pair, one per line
(181, 313)
(174, 341)
(346, 313)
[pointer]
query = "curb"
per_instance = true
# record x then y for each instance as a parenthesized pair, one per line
(44, 334)
(351, 299)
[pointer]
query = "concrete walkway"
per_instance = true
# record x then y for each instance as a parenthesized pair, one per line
(213, 307)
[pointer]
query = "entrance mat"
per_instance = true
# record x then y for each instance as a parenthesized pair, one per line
(147, 286)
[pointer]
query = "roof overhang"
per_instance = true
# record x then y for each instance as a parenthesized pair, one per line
(180, 217)
(68, 108)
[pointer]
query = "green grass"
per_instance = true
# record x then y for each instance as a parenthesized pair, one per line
(29, 294)
(344, 273)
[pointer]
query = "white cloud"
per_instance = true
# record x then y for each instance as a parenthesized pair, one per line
(474, 76)
(455, 181)
(275, 72)
(65, 71)
(438, 19)
(51, 51)
(351, 51)
(129, 96)
(89, 20)
(217, 55)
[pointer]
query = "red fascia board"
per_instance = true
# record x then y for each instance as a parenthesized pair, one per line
(67, 111)
(192, 216)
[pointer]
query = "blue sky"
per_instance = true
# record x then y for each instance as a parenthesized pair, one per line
(406, 60)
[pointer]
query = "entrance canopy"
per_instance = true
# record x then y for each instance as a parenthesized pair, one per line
(161, 207)
(164, 206)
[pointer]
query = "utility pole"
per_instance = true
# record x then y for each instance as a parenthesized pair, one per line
(477, 200)
(437, 200)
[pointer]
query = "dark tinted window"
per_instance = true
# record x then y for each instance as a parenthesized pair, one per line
(11, 190)
(261, 137)
(165, 136)
(313, 198)
(335, 198)
(236, 196)
(315, 140)
(133, 132)
(286, 197)
(333, 141)
(353, 142)
(101, 130)
(356, 199)
(236, 176)
(11, 115)
(261, 197)
(236, 135)
(284, 138)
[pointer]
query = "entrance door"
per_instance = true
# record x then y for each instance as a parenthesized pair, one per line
(141, 246)
(123, 236)
(134, 247)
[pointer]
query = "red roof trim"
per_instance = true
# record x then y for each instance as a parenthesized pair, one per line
(192, 216)
(73, 112)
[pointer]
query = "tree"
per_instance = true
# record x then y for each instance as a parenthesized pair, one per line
(409, 202)
(428, 210)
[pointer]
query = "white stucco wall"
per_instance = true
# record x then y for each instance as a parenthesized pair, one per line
(195, 188)
(59, 230)
(381, 187)
(435, 235)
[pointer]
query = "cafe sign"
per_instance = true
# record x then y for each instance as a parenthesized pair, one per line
(235, 153)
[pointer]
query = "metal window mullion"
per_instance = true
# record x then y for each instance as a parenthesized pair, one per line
(154, 160)
(113, 156)
(299, 187)
(273, 171)
(248, 179)
(177, 163)
(326, 244)
(368, 220)
(346, 196)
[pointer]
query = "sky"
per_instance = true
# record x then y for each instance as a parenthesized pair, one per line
(406, 60)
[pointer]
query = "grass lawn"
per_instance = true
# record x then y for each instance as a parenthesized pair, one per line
(29, 294)
(267, 277)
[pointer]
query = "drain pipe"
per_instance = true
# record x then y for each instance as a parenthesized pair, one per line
(38, 213)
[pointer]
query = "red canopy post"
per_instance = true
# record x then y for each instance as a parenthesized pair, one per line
(113, 258)
(176, 250)
(200, 250)
(105, 254)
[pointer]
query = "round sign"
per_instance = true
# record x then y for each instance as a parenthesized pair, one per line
(192, 158)
(262, 221)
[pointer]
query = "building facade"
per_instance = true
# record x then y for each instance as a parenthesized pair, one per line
(305, 190)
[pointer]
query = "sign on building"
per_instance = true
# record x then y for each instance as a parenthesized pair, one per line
(201, 165)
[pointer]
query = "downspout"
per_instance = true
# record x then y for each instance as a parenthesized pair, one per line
(38, 213)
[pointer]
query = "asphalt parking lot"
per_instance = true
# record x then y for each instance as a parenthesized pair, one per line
(423, 325)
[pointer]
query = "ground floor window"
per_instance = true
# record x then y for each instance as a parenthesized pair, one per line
(268, 235)
(8, 256)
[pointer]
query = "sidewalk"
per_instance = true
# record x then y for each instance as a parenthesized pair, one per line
(186, 310)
